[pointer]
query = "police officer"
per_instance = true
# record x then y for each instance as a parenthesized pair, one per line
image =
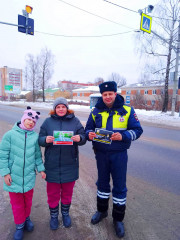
(110, 113)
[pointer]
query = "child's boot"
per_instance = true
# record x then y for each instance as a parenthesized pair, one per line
(29, 226)
(65, 215)
(54, 223)
(18, 235)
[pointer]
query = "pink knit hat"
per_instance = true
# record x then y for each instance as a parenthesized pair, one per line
(29, 114)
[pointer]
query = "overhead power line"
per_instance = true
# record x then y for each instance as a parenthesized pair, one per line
(94, 14)
(95, 36)
(137, 11)
(122, 7)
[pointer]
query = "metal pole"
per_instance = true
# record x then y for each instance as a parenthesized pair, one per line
(16, 25)
(176, 73)
(27, 23)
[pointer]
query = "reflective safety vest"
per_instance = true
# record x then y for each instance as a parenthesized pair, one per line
(119, 121)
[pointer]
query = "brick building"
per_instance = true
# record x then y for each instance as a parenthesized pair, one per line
(72, 85)
(84, 93)
(149, 97)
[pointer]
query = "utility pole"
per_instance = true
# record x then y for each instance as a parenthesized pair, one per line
(176, 73)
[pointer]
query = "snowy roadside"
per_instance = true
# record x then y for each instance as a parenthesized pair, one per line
(156, 117)
(159, 118)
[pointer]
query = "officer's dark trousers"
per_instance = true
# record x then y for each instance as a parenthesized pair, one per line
(114, 164)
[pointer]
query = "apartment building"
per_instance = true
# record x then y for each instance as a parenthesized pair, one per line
(10, 82)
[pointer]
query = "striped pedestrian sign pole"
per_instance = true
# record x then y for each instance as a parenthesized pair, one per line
(146, 22)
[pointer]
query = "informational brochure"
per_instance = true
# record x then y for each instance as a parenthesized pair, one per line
(63, 137)
(103, 136)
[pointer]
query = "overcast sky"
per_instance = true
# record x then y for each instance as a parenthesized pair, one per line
(79, 59)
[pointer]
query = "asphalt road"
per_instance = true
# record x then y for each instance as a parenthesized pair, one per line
(153, 191)
(153, 158)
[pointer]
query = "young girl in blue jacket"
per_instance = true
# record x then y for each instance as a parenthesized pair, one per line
(20, 157)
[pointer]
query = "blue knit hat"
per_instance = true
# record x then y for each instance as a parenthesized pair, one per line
(108, 86)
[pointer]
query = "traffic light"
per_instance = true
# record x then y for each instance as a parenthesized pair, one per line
(150, 8)
(23, 25)
(29, 9)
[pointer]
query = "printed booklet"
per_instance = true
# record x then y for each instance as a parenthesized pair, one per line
(103, 136)
(63, 137)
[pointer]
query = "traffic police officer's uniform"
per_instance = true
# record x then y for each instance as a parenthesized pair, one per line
(112, 158)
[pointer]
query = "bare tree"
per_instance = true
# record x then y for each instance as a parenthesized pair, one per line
(32, 72)
(46, 64)
(160, 45)
(70, 87)
(98, 81)
(120, 80)
(25, 82)
(139, 101)
(59, 84)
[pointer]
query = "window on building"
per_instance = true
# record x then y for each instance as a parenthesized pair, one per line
(153, 102)
(138, 92)
(128, 92)
(82, 94)
(162, 91)
(78, 94)
(145, 92)
(154, 91)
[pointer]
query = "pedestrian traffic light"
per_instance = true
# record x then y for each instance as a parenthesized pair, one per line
(24, 24)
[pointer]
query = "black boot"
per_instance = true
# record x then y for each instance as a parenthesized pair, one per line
(29, 226)
(119, 228)
(118, 214)
(98, 216)
(54, 223)
(102, 207)
(18, 235)
(65, 215)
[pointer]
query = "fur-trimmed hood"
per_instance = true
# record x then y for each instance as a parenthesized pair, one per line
(69, 111)
(69, 114)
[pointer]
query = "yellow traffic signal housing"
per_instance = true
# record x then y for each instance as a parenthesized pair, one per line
(29, 9)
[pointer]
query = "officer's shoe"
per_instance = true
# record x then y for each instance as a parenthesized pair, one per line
(98, 216)
(119, 228)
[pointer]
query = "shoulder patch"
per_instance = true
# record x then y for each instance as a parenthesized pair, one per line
(135, 116)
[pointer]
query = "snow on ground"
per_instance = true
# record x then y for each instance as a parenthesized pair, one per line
(159, 117)
(147, 116)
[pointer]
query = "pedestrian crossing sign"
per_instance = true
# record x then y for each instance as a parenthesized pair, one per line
(146, 22)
